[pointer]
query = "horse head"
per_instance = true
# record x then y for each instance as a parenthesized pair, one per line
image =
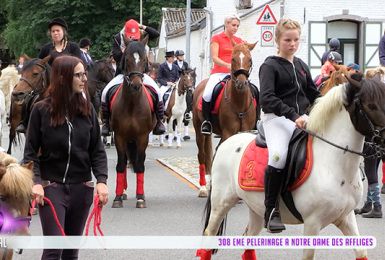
(366, 106)
(15, 194)
(241, 64)
(134, 62)
(35, 76)
(187, 81)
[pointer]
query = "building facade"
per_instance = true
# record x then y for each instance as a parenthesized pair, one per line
(358, 25)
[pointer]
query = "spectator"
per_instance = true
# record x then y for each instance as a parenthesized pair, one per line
(179, 61)
(381, 50)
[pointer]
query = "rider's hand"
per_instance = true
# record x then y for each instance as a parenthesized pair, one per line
(228, 65)
(38, 193)
(102, 191)
(301, 121)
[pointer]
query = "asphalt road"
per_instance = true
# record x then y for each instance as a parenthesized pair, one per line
(173, 209)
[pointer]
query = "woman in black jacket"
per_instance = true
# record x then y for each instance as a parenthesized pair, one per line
(63, 141)
(287, 91)
(59, 45)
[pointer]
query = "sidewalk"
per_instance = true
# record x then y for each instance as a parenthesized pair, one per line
(187, 167)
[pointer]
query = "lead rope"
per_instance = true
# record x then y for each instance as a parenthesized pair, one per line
(48, 201)
(96, 213)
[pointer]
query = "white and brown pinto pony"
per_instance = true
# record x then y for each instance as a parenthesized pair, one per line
(343, 116)
(177, 105)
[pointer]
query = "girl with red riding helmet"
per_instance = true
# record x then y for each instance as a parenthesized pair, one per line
(63, 141)
(287, 91)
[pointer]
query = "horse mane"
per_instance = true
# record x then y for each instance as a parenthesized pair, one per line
(373, 90)
(324, 107)
(336, 78)
(16, 183)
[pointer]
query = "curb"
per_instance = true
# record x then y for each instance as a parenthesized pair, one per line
(179, 172)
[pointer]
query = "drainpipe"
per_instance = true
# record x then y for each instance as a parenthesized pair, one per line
(282, 8)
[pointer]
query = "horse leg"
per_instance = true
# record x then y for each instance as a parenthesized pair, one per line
(348, 226)
(138, 166)
(200, 140)
(311, 228)
(178, 132)
(208, 158)
(121, 172)
(219, 204)
(253, 228)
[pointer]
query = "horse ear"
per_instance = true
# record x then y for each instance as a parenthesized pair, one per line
(28, 165)
(251, 45)
(46, 59)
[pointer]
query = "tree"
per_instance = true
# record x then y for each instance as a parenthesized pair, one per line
(99, 20)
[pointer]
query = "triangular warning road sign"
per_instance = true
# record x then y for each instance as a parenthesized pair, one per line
(267, 16)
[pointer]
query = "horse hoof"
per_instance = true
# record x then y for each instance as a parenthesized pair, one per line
(161, 144)
(124, 196)
(141, 204)
(203, 192)
(178, 146)
(118, 202)
(169, 146)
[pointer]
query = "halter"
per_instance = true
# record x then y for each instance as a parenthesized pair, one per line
(19, 220)
(33, 91)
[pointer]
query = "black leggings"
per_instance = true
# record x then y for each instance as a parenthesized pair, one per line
(371, 166)
(72, 203)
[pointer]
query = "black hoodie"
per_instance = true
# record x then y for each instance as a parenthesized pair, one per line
(287, 89)
(67, 153)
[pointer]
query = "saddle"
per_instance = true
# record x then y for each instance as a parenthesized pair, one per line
(112, 93)
(298, 165)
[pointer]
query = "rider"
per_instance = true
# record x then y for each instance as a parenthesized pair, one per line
(58, 46)
(287, 91)
(334, 45)
(221, 50)
(168, 72)
(85, 45)
(328, 67)
(132, 29)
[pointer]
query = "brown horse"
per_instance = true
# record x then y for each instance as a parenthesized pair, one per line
(236, 110)
(99, 74)
(177, 104)
(336, 78)
(15, 197)
(34, 80)
(132, 120)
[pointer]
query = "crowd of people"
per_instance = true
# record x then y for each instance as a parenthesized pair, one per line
(64, 124)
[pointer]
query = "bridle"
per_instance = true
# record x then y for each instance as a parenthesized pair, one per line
(34, 90)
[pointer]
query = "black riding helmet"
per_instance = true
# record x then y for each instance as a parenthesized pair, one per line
(179, 53)
(58, 21)
(335, 56)
(334, 44)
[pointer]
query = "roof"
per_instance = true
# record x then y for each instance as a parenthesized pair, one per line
(175, 20)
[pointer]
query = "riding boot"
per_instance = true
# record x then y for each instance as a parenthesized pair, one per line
(273, 185)
(159, 128)
(206, 127)
(106, 120)
(22, 127)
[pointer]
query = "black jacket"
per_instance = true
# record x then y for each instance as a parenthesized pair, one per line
(71, 49)
(381, 51)
(165, 74)
(117, 40)
(53, 148)
(184, 66)
(284, 92)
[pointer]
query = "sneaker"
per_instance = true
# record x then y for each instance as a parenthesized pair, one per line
(159, 129)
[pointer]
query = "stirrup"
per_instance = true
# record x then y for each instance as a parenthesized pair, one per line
(206, 128)
(274, 223)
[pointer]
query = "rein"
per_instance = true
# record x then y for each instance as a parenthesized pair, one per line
(378, 150)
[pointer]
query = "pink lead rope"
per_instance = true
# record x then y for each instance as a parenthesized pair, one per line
(96, 213)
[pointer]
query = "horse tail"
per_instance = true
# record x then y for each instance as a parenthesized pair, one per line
(207, 213)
